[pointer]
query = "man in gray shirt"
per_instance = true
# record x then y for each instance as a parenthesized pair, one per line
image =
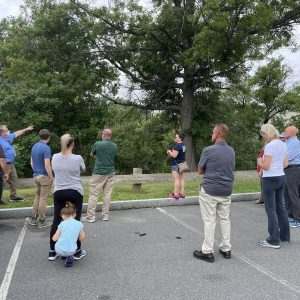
(217, 163)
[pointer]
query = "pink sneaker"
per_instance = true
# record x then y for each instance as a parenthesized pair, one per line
(174, 196)
(181, 195)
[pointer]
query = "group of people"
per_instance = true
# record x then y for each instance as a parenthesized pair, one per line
(279, 168)
(280, 165)
(66, 231)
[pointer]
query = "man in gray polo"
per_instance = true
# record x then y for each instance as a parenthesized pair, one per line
(217, 163)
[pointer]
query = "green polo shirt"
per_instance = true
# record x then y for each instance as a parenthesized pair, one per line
(105, 152)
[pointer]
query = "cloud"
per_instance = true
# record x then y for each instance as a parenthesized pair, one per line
(9, 8)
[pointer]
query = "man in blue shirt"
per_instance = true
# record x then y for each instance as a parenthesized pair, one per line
(43, 178)
(3, 173)
(6, 142)
(292, 174)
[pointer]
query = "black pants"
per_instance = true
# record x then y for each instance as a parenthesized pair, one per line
(60, 199)
(1, 186)
(291, 192)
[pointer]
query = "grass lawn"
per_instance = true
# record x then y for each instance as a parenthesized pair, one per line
(149, 191)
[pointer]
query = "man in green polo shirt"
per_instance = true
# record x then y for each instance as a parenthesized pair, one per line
(102, 179)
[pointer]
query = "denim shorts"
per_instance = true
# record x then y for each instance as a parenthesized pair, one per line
(175, 168)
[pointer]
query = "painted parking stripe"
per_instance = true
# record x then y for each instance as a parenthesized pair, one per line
(11, 265)
(241, 257)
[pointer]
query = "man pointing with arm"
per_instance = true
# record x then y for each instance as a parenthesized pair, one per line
(6, 142)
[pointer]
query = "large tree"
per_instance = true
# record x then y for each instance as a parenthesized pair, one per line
(177, 51)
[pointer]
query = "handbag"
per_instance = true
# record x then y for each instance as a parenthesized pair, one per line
(183, 167)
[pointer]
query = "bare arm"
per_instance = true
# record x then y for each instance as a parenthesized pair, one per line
(31, 163)
(4, 167)
(172, 153)
(56, 235)
(200, 170)
(22, 131)
(266, 163)
(92, 154)
(48, 168)
(286, 162)
(81, 235)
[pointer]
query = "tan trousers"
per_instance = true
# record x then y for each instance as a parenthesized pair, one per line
(100, 184)
(215, 209)
(42, 189)
(12, 180)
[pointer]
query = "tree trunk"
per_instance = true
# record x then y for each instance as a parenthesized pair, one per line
(186, 117)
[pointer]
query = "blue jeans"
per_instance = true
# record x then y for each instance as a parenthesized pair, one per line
(278, 223)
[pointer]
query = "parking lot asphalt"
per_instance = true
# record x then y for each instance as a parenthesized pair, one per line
(147, 254)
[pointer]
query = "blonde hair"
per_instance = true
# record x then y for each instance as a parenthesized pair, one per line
(269, 130)
(66, 141)
(223, 130)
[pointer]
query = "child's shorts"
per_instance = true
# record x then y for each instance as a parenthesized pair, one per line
(63, 253)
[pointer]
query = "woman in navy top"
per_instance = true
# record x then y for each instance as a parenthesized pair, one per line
(178, 156)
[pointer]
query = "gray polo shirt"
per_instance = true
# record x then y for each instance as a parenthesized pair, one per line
(218, 163)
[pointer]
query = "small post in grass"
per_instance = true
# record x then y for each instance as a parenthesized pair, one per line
(137, 185)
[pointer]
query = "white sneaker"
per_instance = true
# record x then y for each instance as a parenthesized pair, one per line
(105, 217)
(89, 220)
(268, 245)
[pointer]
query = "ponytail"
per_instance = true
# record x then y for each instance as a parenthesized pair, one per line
(69, 209)
(66, 141)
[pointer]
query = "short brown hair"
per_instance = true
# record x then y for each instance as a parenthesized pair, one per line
(223, 130)
(44, 134)
(68, 210)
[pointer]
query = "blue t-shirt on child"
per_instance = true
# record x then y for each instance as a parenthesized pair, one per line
(70, 230)
(39, 152)
(181, 154)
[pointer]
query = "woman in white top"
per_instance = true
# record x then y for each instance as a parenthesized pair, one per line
(273, 181)
(67, 187)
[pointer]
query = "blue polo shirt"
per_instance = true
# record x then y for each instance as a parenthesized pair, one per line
(293, 147)
(39, 152)
(8, 148)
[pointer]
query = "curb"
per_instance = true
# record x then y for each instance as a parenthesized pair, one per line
(129, 204)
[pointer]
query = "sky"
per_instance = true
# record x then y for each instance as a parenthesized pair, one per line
(12, 8)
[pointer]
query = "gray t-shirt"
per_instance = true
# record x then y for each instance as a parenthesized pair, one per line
(218, 163)
(67, 169)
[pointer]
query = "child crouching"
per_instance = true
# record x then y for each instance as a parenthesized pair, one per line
(67, 234)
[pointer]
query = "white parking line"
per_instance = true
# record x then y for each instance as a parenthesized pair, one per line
(11, 265)
(243, 258)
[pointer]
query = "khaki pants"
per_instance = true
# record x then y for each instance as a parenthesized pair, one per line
(100, 184)
(215, 209)
(12, 180)
(42, 189)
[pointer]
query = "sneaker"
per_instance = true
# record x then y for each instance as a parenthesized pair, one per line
(32, 221)
(105, 218)
(181, 195)
(208, 257)
(2, 202)
(268, 245)
(174, 196)
(294, 224)
(15, 198)
(79, 254)
(286, 242)
(41, 223)
(52, 255)
(87, 219)
(69, 262)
